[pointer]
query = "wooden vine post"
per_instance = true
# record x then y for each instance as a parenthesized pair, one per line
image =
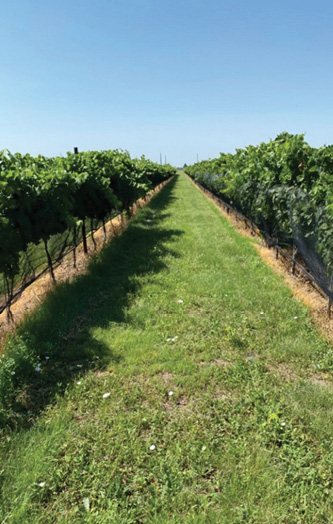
(293, 265)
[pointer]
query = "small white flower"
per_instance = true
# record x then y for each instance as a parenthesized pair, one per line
(152, 447)
(79, 382)
(168, 339)
(174, 339)
(180, 301)
(47, 358)
(106, 395)
(41, 484)
(203, 448)
(170, 393)
(13, 373)
(295, 318)
(86, 503)
(37, 368)
(262, 313)
(283, 424)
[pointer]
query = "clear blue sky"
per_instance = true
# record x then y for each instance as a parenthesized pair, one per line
(180, 77)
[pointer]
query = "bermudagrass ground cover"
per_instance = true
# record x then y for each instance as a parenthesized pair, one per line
(183, 384)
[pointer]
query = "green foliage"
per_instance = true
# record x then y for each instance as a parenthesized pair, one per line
(283, 186)
(91, 194)
(41, 197)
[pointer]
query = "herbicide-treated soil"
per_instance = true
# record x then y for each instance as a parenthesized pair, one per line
(183, 384)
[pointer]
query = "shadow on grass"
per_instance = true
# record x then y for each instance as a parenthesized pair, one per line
(57, 337)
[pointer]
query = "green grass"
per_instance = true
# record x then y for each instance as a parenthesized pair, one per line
(244, 438)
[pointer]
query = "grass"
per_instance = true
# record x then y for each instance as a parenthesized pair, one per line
(203, 353)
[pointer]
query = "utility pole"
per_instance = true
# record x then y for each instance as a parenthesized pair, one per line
(161, 158)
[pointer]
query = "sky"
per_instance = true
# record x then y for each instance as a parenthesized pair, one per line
(181, 79)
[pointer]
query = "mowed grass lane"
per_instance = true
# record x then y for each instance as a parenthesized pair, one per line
(185, 384)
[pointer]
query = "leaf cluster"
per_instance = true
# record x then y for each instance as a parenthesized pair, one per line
(285, 186)
(41, 197)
